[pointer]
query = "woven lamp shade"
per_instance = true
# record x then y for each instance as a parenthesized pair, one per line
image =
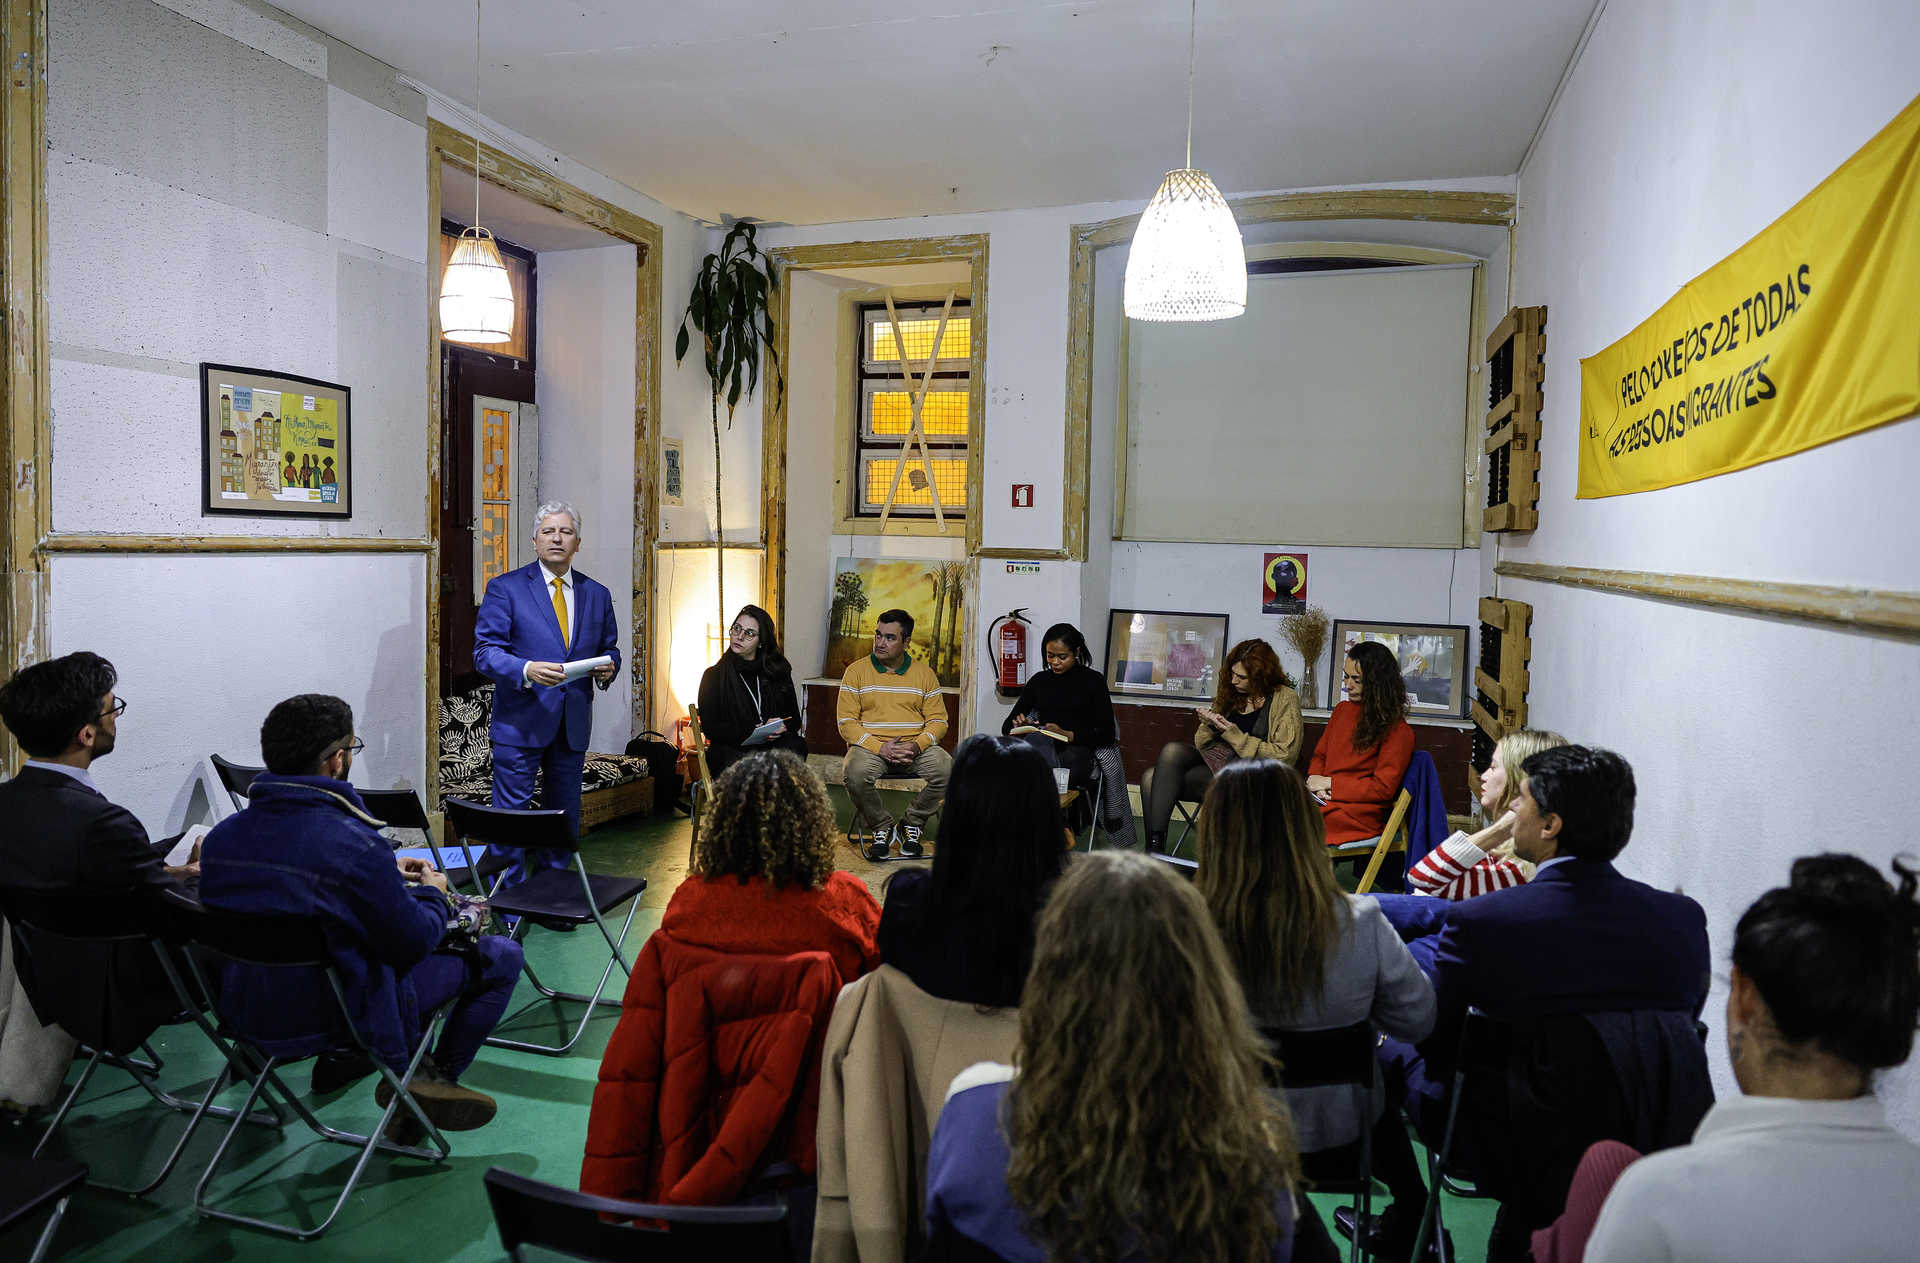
(1187, 262)
(476, 295)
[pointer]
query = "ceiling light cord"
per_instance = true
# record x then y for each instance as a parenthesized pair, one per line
(477, 110)
(1193, 18)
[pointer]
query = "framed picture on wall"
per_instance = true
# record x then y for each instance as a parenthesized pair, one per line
(1161, 653)
(273, 444)
(1432, 656)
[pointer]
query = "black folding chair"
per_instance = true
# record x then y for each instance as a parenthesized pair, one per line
(551, 897)
(298, 943)
(27, 1184)
(401, 809)
(1341, 1055)
(56, 929)
(236, 777)
(532, 1212)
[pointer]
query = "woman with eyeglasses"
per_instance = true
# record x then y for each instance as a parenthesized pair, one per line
(750, 687)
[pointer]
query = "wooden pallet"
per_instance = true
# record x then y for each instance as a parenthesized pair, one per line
(1516, 376)
(1500, 694)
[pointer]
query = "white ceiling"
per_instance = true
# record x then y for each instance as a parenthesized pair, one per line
(813, 111)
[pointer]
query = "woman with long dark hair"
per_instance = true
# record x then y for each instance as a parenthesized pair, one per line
(964, 930)
(750, 685)
(1824, 994)
(1308, 955)
(1135, 1122)
(1362, 757)
(1255, 715)
(1064, 712)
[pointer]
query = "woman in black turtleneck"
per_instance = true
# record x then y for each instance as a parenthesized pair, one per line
(751, 684)
(1068, 699)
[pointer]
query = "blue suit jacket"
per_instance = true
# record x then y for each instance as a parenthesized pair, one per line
(516, 626)
(1578, 938)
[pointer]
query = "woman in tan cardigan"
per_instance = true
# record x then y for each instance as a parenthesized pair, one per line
(1255, 715)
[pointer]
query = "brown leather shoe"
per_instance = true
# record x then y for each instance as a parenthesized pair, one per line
(450, 1106)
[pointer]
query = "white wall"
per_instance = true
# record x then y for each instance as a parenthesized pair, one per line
(1753, 740)
(211, 201)
(584, 386)
(239, 187)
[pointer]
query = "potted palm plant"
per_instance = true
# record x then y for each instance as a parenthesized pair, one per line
(730, 308)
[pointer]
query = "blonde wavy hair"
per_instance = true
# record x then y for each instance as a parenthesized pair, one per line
(1140, 1124)
(1512, 750)
(1266, 878)
(770, 817)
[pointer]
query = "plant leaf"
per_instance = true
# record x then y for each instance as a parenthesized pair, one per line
(680, 344)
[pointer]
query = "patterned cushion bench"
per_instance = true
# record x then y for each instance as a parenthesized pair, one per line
(611, 786)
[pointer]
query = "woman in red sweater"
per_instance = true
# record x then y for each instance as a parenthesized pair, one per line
(1363, 755)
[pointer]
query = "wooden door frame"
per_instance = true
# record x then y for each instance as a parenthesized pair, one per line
(450, 145)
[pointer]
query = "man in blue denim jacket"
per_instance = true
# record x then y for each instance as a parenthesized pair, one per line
(305, 846)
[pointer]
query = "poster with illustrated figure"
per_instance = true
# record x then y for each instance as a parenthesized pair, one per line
(273, 444)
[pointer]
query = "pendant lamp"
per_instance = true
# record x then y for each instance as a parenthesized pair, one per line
(1187, 262)
(476, 295)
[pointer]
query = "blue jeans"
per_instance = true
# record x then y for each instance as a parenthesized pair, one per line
(481, 1001)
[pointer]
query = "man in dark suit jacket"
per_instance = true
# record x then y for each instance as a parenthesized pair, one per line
(1579, 938)
(64, 837)
(531, 622)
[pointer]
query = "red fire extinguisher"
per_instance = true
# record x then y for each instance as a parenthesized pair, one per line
(1007, 639)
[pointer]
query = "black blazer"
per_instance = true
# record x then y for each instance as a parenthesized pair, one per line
(62, 838)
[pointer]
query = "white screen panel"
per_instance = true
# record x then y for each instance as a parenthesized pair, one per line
(1332, 412)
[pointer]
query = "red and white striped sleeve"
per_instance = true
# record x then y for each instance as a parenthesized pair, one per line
(1457, 869)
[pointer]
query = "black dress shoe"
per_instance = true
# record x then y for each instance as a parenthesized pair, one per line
(1389, 1235)
(336, 1068)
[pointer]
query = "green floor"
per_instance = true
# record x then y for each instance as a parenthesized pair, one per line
(404, 1210)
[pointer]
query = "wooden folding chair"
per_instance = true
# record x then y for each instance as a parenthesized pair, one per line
(702, 793)
(1392, 838)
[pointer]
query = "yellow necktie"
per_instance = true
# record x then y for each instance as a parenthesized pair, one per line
(560, 610)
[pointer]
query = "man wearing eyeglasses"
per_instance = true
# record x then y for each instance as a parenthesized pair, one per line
(306, 846)
(64, 837)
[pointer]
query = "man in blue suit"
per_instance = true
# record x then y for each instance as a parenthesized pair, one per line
(1579, 938)
(532, 621)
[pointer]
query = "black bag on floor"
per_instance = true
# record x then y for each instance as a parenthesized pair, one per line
(663, 764)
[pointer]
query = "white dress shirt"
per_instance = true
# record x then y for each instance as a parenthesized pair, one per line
(1770, 1178)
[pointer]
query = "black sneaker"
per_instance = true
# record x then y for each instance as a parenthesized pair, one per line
(910, 842)
(881, 846)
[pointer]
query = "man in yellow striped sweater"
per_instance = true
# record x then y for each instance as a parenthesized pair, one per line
(892, 717)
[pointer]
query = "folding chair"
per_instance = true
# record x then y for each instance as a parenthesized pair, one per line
(702, 792)
(568, 896)
(27, 1184)
(237, 778)
(48, 926)
(1374, 850)
(297, 943)
(531, 1212)
(401, 809)
(1323, 1058)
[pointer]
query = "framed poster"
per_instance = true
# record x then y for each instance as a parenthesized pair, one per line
(1432, 657)
(671, 456)
(1160, 653)
(273, 444)
(1283, 583)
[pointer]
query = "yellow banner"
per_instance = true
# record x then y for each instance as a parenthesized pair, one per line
(1807, 333)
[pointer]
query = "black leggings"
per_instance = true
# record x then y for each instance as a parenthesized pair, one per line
(1180, 774)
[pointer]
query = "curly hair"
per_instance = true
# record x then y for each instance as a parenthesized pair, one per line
(1383, 693)
(1140, 1125)
(1265, 675)
(1265, 876)
(770, 817)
